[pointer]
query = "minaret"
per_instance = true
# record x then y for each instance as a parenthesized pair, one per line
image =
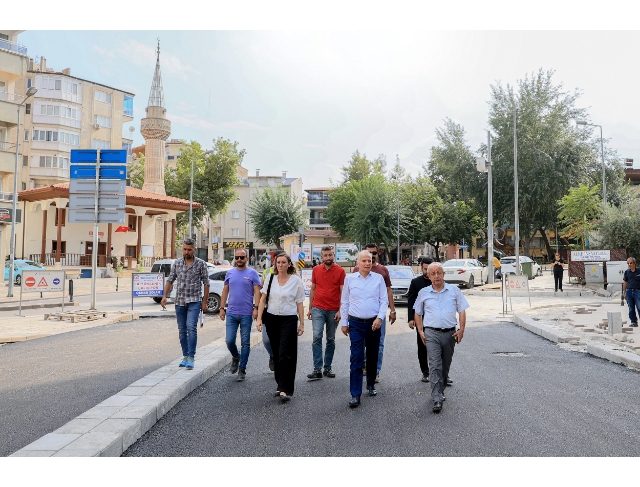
(155, 129)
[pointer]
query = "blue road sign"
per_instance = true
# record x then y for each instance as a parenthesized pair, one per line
(56, 281)
(464, 247)
(106, 172)
(91, 156)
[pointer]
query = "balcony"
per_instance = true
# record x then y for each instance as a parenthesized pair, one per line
(7, 156)
(9, 108)
(318, 221)
(4, 196)
(13, 47)
(318, 204)
(49, 173)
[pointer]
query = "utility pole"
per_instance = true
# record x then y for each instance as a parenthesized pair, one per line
(515, 189)
(490, 213)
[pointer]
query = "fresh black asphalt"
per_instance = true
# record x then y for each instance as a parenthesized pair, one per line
(543, 401)
(49, 381)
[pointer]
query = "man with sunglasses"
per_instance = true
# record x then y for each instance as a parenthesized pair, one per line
(242, 287)
(382, 270)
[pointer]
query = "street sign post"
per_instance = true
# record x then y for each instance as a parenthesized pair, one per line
(42, 282)
(97, 194)
(146, 284)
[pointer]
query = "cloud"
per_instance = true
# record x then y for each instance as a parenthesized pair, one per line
(193, 121)
(103, 52)
(145, 55)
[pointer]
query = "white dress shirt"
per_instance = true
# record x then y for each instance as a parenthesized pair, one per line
(363, 297)
(283, 299)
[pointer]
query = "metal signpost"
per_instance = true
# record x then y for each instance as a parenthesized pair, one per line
(514, 283)
(97, 194)
(147, 285)
(41, 282)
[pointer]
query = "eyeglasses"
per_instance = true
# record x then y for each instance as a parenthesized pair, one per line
(373, 253)
(240, 257)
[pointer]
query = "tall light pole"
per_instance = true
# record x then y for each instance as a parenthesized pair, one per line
(12, 245)
(489, 212)
(191, 201)
(604, 181)
(515, 189)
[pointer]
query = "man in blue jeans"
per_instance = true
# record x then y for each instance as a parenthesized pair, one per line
(242, 286)
(631, 290)
(191, 275)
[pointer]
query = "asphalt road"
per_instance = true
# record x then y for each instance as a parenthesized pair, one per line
(49, 381)
(545, 401)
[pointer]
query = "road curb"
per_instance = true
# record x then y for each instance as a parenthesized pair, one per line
(109, 428)
(544, 331)
(16, 307)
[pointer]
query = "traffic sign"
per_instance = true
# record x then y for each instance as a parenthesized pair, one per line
(87, 216)
(86, 200)
(106, 172)
(464, 247)
(91, 156)
(43, 281)
(105, 186)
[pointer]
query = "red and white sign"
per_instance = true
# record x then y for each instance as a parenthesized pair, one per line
(100, 234)
(42, 281)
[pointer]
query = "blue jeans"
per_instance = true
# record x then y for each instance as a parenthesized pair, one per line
(362, 337)
(265, 341)
(633, 301)
(245, 337)
(383, 329)
(187, 317)
(320, 317)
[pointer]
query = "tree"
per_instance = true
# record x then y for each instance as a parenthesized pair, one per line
(135, 171)
(579, 211)
(620, 225)
(359, 167)
(275, 213)
(215, 173)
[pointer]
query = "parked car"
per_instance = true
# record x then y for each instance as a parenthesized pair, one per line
(20, 265)
(508, 265)
(216, 282)
(400, 276)
(464, 271)
(222, 263)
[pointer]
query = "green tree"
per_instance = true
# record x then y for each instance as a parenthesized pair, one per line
(275, 213)
(215, 173)
(620, 225)
(359, 167)
(135, 171)
(579, 211)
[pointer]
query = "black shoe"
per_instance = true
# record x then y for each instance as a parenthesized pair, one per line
(277, 394)
(315, 375)
(355, 402)
(425, 377)
(634, 324)
(285, 397)
(242, 375)
(328, 373)
(271, 364)
(234, 365)
(372, 391)
(437, 407)
(449, 382)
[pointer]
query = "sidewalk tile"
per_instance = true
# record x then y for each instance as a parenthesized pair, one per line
(79, 426)
(146, 414)
(34, 453)
(100, 444)
(52, 441)
(118, 400)
(101, 412)
(128, 429)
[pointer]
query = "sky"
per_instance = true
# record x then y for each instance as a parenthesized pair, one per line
(304, 101)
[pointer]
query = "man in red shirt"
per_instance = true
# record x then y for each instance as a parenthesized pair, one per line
(382, 270)
(324, 309)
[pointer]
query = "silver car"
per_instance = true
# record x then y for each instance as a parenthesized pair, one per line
(400, 276)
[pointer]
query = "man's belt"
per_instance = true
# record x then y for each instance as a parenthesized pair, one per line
(363, 320)
(443, 330)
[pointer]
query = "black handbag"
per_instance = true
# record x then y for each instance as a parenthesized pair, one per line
(266, 302)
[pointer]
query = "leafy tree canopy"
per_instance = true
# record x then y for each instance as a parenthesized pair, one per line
(275, 213)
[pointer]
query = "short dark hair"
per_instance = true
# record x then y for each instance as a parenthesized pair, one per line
(426, 260)
(371, 246)
(189, 241)
(327, 248)
(243, 250)
(290, 270)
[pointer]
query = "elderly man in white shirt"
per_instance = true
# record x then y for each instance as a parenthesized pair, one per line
(363, 306)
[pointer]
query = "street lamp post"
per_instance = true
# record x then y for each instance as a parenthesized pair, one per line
(191, 201)
(604, 181)
(515, 189)
(481, 166)
(398, 199)
(12, 245)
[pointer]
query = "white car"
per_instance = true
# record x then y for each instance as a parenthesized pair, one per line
(400, 276)
(508, 265)
(464, 271)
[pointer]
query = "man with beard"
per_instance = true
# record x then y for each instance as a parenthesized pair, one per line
(324, 310)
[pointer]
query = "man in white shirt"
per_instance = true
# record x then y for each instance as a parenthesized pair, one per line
(363, 305)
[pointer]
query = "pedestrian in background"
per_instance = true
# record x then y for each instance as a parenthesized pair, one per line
(417, 284)
(558, 269)
(324, 311)
(242, 287)
(631, 290)
(191, 275)
(363, 305)
(383, 271)
(281, 306)
(435, 314)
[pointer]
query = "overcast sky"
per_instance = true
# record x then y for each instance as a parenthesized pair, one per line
(304, 101)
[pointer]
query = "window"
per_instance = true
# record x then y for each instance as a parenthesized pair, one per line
(69, 113)
(54, 243)
(74, 89)
(102, 121)
(132, 224)
(35, 134)
(42, 133)
(29, 83)
(55, 137)
(43, 109)
(127, 108)
(26, 135)
(131, 251)
(56, 110)
(49, 109)
(58, 84)
(235, 214)
(27, 107)
(25, 161)
(103, 96)
(170, 158)
(49, 136)
(24, 186)
(100, 144)
(73, 114)
(127, 146)
(235, 232)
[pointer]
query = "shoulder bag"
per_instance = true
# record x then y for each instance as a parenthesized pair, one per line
(265, 314)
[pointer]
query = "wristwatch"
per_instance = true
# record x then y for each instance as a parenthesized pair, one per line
(255, 307)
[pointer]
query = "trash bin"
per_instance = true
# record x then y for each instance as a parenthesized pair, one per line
(527, 269)
(85, 273)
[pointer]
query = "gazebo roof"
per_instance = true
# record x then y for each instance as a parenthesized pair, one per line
(135, 197)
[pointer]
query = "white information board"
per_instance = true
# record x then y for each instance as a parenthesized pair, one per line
(305, 275)
(147, 284)
(42, 281)
(590, 255)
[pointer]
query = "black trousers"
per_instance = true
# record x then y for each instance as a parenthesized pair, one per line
(422, 354)
(557, 279)
(283, 335)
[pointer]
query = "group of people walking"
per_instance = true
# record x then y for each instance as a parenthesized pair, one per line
(358, 302)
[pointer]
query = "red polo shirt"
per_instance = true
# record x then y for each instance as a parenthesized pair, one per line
(328, 282)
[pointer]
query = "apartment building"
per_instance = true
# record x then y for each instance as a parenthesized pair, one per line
(317, 202)
(68, 113)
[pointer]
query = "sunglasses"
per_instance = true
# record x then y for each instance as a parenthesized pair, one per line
(373, 253)
(240, 257)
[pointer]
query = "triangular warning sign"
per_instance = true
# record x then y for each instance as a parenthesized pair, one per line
(42, 283)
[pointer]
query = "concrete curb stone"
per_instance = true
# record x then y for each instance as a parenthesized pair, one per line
(109, 428)
(544, 331)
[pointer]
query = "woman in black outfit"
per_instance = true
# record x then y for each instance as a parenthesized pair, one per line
(558, 269)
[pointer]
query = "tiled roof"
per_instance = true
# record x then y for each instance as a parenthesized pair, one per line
(319, 189)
